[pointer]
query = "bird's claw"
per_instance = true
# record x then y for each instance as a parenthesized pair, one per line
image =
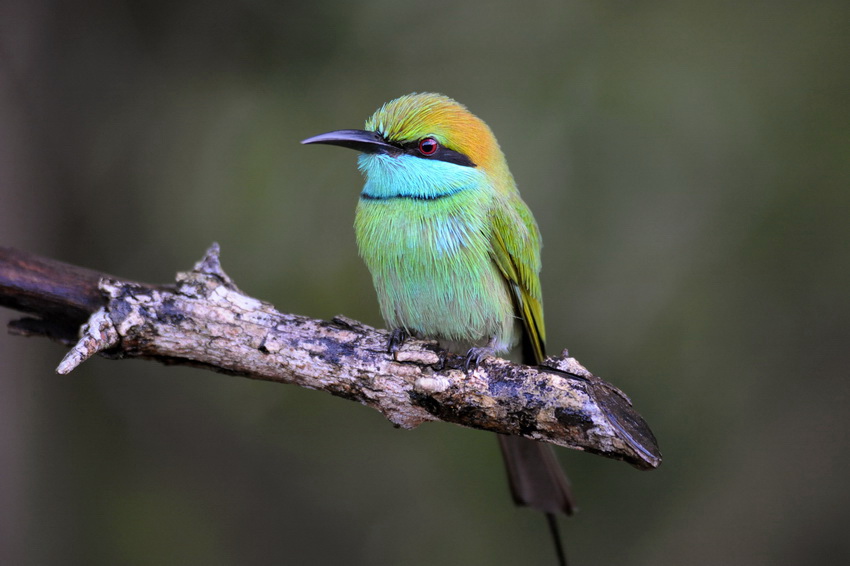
(441, 365)
(474, 357)
(397, 338)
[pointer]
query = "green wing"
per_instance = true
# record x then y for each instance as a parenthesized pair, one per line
(516, 251)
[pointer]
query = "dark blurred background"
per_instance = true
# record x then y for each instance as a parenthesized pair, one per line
(688, 166)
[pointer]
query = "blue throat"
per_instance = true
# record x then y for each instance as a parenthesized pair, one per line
(408, 176)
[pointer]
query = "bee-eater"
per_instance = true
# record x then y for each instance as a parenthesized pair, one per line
(454, 252)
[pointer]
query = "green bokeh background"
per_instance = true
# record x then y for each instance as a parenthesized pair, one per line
(688, 164)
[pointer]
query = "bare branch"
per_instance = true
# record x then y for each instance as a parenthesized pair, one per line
(205, 320)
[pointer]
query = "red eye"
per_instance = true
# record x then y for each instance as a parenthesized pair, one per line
(428, 146)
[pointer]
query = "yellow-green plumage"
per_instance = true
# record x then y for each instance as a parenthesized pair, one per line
(431, 268)
(453, 250)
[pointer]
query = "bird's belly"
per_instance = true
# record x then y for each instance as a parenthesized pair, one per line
(433, 272)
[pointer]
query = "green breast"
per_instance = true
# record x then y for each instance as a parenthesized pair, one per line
(431, 264)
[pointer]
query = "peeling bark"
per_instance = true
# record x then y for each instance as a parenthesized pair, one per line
(205, 320)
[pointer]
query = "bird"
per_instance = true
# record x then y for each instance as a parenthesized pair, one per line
(454, 255)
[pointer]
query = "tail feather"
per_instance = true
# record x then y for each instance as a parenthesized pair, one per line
(535, 477)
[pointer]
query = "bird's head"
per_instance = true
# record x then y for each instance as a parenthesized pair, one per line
(431, 134)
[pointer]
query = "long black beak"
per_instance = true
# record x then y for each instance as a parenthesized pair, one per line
(361, 140)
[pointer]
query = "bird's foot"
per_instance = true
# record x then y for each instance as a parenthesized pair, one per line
(475, 355)
(396, 341)
(441, 365)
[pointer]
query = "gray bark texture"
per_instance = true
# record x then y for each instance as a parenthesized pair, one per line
(205, 320)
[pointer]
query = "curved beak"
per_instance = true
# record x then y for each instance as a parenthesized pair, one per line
(361, 140)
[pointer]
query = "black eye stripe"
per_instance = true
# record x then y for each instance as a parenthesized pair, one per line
(442, 154)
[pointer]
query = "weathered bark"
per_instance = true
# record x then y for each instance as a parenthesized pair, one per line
(205, 320)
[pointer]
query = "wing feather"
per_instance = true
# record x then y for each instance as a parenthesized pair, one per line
(515, 248)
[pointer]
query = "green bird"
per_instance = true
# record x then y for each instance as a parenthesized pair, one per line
(454, 253)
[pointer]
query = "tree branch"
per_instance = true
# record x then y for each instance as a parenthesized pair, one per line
(205, 320)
